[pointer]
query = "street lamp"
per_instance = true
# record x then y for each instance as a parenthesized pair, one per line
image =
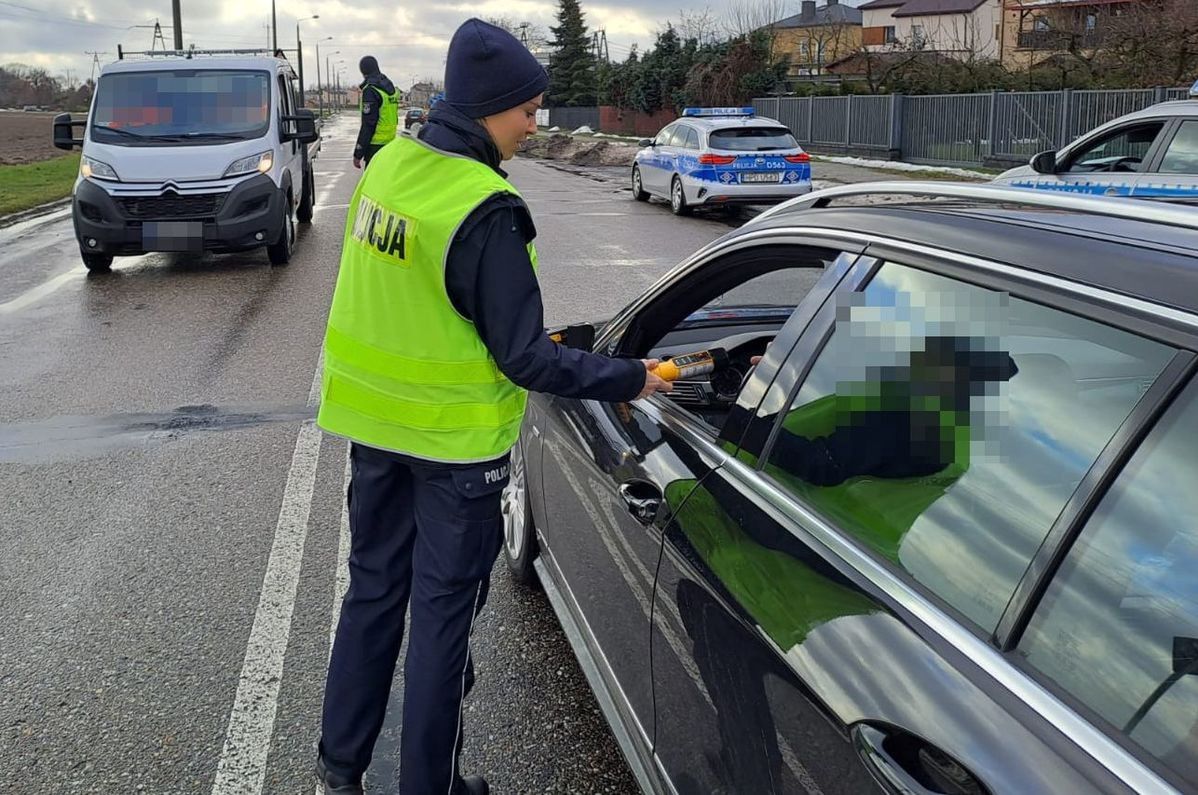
(319, 92)
(328, 73)
(299, 48)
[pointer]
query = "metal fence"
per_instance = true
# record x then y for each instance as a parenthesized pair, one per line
(996, 128)
(573, 118)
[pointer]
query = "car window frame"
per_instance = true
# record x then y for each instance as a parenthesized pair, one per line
(1089, 490)
(664, 135)
(1151, 156)
(1170, 135)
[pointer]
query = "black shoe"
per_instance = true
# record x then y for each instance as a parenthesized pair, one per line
(474, 785)
(338, 785)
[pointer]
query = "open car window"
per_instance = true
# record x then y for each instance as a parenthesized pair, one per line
(737, 304)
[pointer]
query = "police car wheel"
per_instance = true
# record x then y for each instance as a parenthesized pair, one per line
(638, 189)
(678, 198)
(279, 252)
(519, 537)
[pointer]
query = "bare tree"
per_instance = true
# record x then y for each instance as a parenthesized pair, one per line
(746, 16)
(1152, 43)
(534, 37)
(701, 26)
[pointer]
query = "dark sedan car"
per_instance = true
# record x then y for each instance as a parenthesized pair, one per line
(413, 116)
(941, 539)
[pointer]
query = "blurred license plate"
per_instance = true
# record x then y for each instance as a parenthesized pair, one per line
(172, 235)
(761, 177)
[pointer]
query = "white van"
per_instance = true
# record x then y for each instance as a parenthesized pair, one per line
(192, 151)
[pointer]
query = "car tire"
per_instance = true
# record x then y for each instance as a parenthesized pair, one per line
(678, 204)
(638, 188)
(279, 252)
(307, 206)
(96, 263)
(519, 532)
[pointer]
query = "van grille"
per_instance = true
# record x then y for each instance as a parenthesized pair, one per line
(172, 205)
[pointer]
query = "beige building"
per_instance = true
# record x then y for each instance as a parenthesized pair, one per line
(960, 29)
(1035, 30)
(816, 37)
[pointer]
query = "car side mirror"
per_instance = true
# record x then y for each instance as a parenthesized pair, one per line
(580, 336)
(64, 135)
(302, 127)
(644, 142)
(1045, 163)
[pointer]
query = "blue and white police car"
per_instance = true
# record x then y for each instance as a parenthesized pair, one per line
(1150, 154)
(718, 157)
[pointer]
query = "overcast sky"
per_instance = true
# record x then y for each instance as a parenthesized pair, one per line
(409, 39)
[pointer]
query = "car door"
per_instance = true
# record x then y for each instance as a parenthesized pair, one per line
(1108, 164)
(291, 151)
(836, 635)
(1174, 175)
(654, 176)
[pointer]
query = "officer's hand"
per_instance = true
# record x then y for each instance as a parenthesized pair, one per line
(653, 382)
(357, 162)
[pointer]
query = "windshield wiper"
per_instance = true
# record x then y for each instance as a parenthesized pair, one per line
(119, 131)
(195, 136)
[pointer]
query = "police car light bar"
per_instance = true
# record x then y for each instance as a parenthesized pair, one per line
(708, 112)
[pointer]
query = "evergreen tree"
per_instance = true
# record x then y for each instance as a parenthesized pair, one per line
(572, 65)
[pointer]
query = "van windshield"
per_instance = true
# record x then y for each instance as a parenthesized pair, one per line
(181, 106)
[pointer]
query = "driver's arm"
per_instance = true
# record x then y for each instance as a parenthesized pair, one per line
(490, 281)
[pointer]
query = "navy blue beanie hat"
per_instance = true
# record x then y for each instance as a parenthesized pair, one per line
(488, 71)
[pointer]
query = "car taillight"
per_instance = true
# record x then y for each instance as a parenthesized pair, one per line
(717, 160)
(801, 157)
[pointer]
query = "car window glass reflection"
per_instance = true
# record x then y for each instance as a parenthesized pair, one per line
(1118, 627)
(934, 404)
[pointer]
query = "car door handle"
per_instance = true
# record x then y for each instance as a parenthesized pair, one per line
(643, 500)
(907, 765)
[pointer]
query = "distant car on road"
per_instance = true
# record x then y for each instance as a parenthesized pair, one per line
(413, 116)
(925, 526)
(1150, 154)
(718, 157)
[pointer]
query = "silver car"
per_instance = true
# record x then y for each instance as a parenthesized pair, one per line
(1152, 153)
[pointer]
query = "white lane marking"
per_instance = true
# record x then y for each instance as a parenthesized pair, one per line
(341, 583)
(242, 767)
(35, 294)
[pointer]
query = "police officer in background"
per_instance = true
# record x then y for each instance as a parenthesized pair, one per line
(380, 111)
(435, 333)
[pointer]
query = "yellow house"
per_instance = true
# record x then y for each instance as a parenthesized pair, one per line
(1035, 30)
(816, 37)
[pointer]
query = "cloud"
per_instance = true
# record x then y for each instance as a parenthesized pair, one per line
(409, 40)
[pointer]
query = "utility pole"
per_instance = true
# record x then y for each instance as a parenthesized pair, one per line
(299, 48)
(274, 28)
(95, 61)
(177, 25)
(158, 37)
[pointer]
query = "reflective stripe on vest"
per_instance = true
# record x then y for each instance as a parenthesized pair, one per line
(388, 123)
(403, 371)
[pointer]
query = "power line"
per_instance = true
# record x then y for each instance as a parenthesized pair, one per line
(41, 15)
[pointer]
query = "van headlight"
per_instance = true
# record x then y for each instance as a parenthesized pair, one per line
(90, 168)
(260, 163)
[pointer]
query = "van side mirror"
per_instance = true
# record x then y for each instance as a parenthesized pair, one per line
(580, 336)
(300, 127)
(1045, 163)
(64, 134)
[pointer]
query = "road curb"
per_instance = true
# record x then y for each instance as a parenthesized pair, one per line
(33, 212)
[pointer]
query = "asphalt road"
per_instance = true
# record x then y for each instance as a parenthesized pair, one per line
(171, 521)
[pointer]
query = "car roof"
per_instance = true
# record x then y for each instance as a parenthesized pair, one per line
(709, 123)
(259, 62)
(1179, 107)
(1150, 261)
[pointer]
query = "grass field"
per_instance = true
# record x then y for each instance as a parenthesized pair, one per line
(31, 184)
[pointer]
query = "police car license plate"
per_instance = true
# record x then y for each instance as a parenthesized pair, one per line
(761, 177)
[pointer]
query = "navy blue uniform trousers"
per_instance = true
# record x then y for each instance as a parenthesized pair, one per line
(427, 535)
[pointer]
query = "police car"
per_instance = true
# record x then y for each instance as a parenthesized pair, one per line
(718, 157)
(1152, 154)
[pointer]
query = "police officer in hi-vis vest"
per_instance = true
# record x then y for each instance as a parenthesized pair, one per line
(379, 105)
(434, 336)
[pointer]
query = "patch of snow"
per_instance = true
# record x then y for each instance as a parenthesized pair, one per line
(898, 165)
(555, 128)
(583, 130)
